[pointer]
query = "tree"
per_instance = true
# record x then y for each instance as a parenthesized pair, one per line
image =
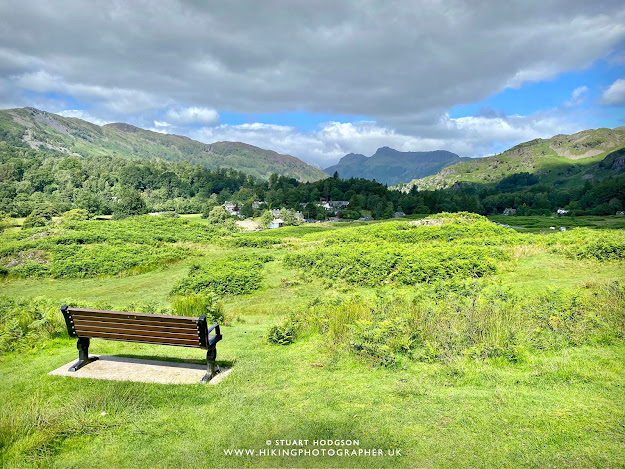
(266, 219)
(76, 214)
(130, 203)
(209, 205)
(218, 215)
(288, 217)
(247, 210)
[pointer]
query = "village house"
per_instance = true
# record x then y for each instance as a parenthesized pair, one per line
(232, 209)
(509, 211)
(561, 211)
(276, 223)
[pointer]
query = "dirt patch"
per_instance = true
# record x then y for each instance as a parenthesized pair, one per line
(247, 225)
(572, 156)
(25, 257)
(427, 222)
(43, 234)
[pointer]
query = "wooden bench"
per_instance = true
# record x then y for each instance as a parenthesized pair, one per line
(179, 331)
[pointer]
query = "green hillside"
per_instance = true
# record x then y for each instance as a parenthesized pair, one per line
(573, 157)
(43, 130)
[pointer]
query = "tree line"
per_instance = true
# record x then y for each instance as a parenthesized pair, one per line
(51, 182)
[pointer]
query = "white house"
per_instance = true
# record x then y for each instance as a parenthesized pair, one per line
(561, 211)
(509, 211)
(276, 223)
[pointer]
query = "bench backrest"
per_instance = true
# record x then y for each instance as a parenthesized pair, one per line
(181, 331)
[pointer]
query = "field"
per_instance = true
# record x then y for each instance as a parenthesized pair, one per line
(449, 341)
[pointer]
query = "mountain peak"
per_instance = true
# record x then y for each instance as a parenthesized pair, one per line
(41, 129)
(390, 166)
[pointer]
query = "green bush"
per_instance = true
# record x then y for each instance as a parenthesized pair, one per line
(204, 304)
(446, 321)
(32, 221)
(25, 322)
(76, 214)
(229, 276)
(89, 248)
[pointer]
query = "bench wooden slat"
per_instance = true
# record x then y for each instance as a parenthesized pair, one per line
(130, 322)
(142, 338)
(147, 342)
(166, 328)
(134, 317)
(86, 331)
(148, 316)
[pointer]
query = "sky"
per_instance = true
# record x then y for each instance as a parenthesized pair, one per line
(320, 79)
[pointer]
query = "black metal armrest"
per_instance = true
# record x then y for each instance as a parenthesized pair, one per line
(215, 338)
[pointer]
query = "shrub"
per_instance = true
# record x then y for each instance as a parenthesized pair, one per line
(204, 304)
(442, 322)
(76, 214)
(282, 334)
(229, 276)
(32, 221)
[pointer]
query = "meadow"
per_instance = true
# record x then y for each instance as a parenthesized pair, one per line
(446, 341)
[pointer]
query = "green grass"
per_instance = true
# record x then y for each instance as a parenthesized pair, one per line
(537, 224)
(558, 406)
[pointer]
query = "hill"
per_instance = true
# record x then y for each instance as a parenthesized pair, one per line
(568, 159)
(390, 166)
(44, 130)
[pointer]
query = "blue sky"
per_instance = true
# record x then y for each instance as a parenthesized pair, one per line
(320, 80)
(555, 93)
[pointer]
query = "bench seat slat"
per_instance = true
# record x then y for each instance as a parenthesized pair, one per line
(86, 330)
(149, 342)
(131, 317)
(135, 324)
(147, 316)
(141, 338)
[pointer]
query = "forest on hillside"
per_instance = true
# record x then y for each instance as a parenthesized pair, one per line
(53, 182)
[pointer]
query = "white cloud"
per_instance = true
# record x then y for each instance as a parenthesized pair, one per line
(194, 115)
(615, 94)
(467, 136)
(577, 96)
(83, 115)
(162, 124)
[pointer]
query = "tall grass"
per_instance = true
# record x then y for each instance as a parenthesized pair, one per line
(470, 319)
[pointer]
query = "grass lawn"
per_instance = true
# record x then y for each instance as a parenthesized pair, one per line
(553, 407)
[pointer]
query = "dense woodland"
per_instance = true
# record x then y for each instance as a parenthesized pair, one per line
(36, 180)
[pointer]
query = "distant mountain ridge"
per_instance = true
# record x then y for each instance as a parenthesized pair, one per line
(573, 158)
(390, 166)
(43, 130)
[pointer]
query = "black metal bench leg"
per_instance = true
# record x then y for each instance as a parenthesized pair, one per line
(212, 370)
(83, 354)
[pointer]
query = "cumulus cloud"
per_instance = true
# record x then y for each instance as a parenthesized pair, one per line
(193, 115)
(615, 94)
(467, 136)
